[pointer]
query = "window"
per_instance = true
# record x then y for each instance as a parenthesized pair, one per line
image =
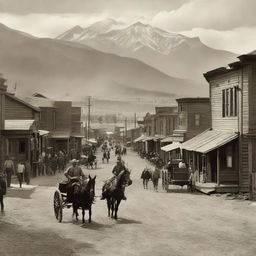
(197, 120)
(229, 158)
(22, 147)
(229, 102)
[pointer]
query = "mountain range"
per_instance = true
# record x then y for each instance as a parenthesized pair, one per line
(64, 70)
(174, 54)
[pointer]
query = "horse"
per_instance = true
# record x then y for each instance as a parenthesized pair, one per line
(105, 156)
(91, 162)
(115, 192)
(83, 197)
(2, 192)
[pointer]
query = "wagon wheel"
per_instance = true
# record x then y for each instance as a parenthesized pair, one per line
(57, 205)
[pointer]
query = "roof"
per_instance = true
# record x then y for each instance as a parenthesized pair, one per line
(196, 99)
(41, 102)
(18, 125)
(77, 135)
(170, 147)
(26, 103)
(139, 138)
(59, 134)
(39, 95)
(158, 137)
(208, 141)
(43, 132)
(167, 139)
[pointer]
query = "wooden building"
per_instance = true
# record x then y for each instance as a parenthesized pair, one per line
(19, 128)
(224, 156)
(62, 121)
(193, 118)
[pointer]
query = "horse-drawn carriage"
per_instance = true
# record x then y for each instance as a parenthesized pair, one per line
(173, 175)
(81, 189)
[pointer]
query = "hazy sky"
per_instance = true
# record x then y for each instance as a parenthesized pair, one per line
(223, 24)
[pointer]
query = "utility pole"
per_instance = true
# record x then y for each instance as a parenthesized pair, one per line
(135, 120)
(89, 117)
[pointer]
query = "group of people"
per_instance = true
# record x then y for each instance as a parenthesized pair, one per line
(49, 164)
(22, 170)
(147, 174)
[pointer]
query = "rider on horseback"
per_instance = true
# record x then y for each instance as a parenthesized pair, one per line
(74, 174)
(118, 168)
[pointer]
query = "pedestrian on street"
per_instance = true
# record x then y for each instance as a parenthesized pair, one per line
(20, 172)
(146, 176)
(9, 169)
(27, 173)
(155, 178)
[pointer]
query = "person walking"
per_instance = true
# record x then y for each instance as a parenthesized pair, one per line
(20, 172)
(145, 176)
(155, 178)
(9, 170)
(27, 173)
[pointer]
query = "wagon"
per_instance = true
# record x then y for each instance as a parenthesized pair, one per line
(175, 176)
(59, 201)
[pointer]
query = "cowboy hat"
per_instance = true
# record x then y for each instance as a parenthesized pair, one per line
(74, 161)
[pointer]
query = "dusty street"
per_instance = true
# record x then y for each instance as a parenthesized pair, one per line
(150, 223)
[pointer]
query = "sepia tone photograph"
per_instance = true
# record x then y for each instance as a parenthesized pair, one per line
(127, 128)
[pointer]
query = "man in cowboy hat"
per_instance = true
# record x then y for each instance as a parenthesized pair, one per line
(73, 174)
(118, 168)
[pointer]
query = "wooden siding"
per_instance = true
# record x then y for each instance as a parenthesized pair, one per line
(245, 78)
(63, 115)
(202, 109)
(252, 100)
(47, 116)
(216, 86)
(244, 165)
(16, 110)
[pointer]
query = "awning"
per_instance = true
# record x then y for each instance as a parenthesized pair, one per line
(167, 140)
(170, 147)
(77, 135)
(60, 135)
(208, 141)
(18, 125)
(139, 138)
(158, 137)
(148, 138)
(92, 141)
(43, 132)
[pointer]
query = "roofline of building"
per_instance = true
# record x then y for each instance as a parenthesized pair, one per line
(23, 102)
(195, 99)
(243, 59)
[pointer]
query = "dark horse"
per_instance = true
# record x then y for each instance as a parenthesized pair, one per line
(2, 192)
(115, 192)
(83, 197)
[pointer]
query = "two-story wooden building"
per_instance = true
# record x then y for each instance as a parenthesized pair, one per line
(193, 118)
(224, 156)
(62, 121)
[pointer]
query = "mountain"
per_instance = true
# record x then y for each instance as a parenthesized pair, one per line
(171, 53)
(65, 70)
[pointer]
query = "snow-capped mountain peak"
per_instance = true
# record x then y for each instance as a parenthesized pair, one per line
(133, 38)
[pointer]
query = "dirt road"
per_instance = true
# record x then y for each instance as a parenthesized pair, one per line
(150, 223)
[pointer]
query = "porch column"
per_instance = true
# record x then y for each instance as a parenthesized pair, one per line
(218, 166)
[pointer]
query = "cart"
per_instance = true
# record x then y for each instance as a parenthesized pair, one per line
(174, 175)
(60, 201)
